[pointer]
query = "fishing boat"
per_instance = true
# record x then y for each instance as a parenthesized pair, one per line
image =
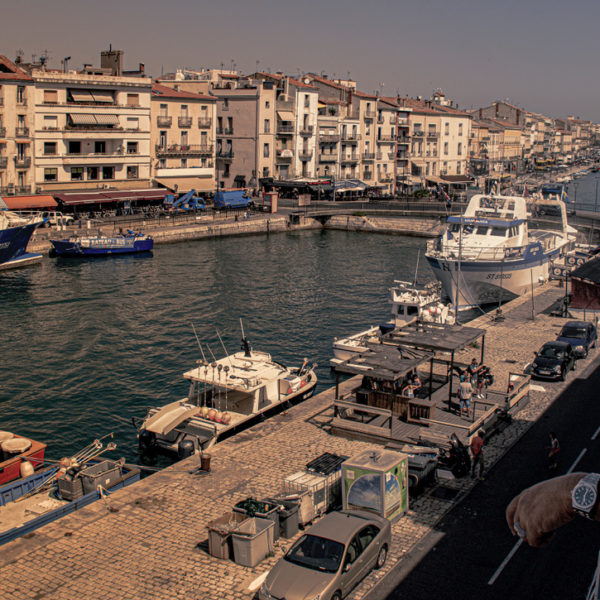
(490, 255)
(28, 503)
(18, 456)
(411, 302)
(225, 396)
(15, 232)
(101, 245)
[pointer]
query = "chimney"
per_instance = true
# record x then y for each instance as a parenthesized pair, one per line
(113, 60)
(518, 116)
(142, 68)
(481, 113)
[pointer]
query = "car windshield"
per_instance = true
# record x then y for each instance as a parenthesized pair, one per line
(573, 332)
(551, 352)
(316, 553)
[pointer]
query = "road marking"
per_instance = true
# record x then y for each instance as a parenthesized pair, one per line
(537, 388)
(596, 433)
(518, 544)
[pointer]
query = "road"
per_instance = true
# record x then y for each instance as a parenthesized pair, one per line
(474, 539)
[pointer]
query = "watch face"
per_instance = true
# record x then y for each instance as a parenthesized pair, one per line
(584, 496)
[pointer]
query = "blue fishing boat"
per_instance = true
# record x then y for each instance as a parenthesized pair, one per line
(31, 502)
(100, 245)
(15, 232)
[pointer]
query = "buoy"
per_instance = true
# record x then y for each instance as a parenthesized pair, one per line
(217, 416)
(226, 418)
(211, 414)
(26, 469)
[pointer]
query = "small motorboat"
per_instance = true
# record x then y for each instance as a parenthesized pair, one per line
(101, 245)
(19, 456)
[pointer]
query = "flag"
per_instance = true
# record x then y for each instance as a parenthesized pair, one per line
(563, 196)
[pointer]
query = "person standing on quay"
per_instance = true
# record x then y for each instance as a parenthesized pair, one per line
(465, 392)
(553, 451)
(477, 454)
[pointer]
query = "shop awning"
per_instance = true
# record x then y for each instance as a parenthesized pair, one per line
(81, 96)
(107, 119)
(456, 179)
(286, 115)
(433, 179)
(102, 96)
(29, 202)
(82, 119)
(185, 184)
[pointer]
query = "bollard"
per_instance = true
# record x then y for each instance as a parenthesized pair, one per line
(205, 462)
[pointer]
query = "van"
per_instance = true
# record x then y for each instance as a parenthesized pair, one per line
(56, 218)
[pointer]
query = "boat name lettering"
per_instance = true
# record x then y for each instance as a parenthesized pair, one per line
(499, 275)
(4, 245)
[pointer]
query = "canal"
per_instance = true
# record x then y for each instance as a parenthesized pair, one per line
(89, 343)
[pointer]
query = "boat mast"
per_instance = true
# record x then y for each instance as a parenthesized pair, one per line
(456, 296)
(417, 267)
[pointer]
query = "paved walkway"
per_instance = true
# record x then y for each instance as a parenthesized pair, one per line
(151, 544)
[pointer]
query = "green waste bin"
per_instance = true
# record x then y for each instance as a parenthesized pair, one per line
(260, 508)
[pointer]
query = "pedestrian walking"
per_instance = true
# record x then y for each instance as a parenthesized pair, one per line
(553, 452)
(465, 392)
(477, 454)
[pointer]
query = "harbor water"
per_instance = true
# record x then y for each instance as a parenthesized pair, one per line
(88, 343)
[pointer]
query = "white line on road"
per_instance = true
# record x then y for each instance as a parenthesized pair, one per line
(537, 388)
(596, 433)
(518, 544)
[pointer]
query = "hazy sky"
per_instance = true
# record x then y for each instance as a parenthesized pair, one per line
(541, 54)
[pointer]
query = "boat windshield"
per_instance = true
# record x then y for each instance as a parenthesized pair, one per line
(499, 231)
(573, 332)
(314, 552)
(482, 230)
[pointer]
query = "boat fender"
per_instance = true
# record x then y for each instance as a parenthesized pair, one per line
(146, 440)
(212, 414)
(185, 448)
(226, 418)
(302, 383)
(26, 469)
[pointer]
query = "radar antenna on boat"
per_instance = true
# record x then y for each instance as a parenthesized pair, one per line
(245, 343)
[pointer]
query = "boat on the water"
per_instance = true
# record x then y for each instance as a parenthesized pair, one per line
(225, 396)
(28, 503)
(101, 245)
(411, 302)
(18, 456)
(15, 232)
(490, 254)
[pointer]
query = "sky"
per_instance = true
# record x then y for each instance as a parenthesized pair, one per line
(542, 55)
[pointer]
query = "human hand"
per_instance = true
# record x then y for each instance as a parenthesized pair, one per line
(542, 508)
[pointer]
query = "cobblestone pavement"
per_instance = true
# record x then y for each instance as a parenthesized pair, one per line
(152, 543)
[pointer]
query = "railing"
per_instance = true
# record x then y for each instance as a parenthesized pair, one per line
(22, 101)
(305, 154)
(91, 127)
(22, 132)
(432, 134)
(22, 162)
(418, 133)
(330, 138)
(23, 189)
(368, 174)
(306, 130)
(386, 139)
(380, 119)
(204, 123)
(184, 150)
(3, 162)
(350, 137)
(285, 129)
(224, 130)
(379, 156)
(475, 253)
(225, 154)
(287, 157)
(163, 121)
(352, 158)
(327, 157)
(285, 105)
(386, 178)
(393, 119)
(369, 114)
(184, 122)
(368, 155)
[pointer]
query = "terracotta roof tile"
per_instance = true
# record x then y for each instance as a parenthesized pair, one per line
(164, 91)
(15, 72)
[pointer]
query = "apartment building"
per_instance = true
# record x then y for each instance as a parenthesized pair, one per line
(182, 139)
(386, 133)
(328, 136)
(16, 129)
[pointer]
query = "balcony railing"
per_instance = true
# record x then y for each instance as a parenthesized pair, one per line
(386, 178)
(350, 158)
(326, 157)
(379, 156)
(22, 132)
(23, 189)
(369, 114)
(285, 129)
(404, 140)
(380, 119)
(432, 134)
(306, 130)
(2, 132)
(22, 162)
(22, 101)
(368, 174)
(225, 154)
(350, 137)
(418, 133)
(393, 119)
(204, 123)
(164, 121)
(330, 138)
(386, 139)
(305, 154)
(368, 155)
(3, 162)
(224, 130)
(184, 150)
(285, 158)
(184, 122)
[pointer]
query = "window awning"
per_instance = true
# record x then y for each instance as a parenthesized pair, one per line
(286, 115)
(81, 96)
(102, 96)
(29, 202)
(185, 184)
(79, 119)
(107, 119)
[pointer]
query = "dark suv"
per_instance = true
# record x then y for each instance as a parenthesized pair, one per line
(553, 361)
(581, 335)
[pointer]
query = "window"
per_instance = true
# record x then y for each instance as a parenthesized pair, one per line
(99, 147)
(50, 122)
(50, 174)
(93, 173)
(306, 101)
(459, 148)
(447, 128)
(49, 147)
(20, 121)
(184, 140)
(267, 104)
(133, 99)
(445, 147)
(132, 147)
(266, 151)
(133, 123)
(108, 172)
(267, 126)
(20, 94)
(76, 173)
(184, 163)
(164, 110)
(226, 170)
(132, 172)
(162, 163)
(50, 97)
(184, 110)
(73, 148)
(367, 535)
(458, 168)
(460, 129)
(230, 124)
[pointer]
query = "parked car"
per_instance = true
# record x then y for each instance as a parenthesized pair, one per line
(56, 218)
(553, 361)
(582, 336)
(330, 558)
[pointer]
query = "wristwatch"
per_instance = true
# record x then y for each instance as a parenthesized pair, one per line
(584, 495)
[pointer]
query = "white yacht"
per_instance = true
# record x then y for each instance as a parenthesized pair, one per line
(490, 255)
(410, 302)
(225, 396)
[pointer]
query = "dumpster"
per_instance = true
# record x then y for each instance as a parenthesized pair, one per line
(259, 508)
(288, 516)
(252, 541)
(219, 534)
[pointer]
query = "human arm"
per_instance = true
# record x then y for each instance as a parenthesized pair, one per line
(543, 508)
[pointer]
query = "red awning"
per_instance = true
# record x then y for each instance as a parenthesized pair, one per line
(29, 202)
(73, 198)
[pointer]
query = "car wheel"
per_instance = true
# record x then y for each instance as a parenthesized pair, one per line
(563, 374)
(381, 557)
(336, 596)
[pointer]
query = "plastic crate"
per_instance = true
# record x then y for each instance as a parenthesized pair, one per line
(69, 488)
(105, 474)
(219, 534)
(252, 541)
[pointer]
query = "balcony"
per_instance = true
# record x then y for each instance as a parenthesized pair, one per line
(418, 133)
(379, 156)
(432, 134)
(386, 178)
(224, 130)
(306, 130)
(184, 122)
(204, 123)
(225, 155)
(369, 114)
(326, 157)
(368, 175)
(1, 100)
(284, 156)
(2, 132)
(21, 101)
(330, 138)
(368, 156)
(22, 132)
(175, 150)
(350, 158)
(350, 137)
(305, 154)
(393, 119)
(23, 189)
(164, 121)
(380, 120)
(285, 129)
(3, 162)
(387, 139)
(22, 162)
